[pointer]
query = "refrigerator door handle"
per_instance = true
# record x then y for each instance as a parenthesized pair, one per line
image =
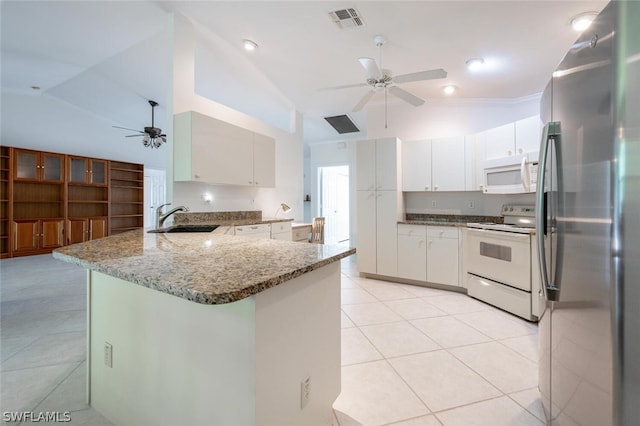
(550, 132)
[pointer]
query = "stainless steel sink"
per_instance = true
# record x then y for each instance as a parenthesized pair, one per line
(185, 228)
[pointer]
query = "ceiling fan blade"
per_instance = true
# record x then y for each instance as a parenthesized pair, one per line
(421, 75)
(346, 86)
(371, 67)
(134, 136)
(406, 96)
(366, 98)
(125, 128)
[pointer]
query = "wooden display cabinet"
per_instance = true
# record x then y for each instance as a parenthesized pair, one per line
(49, 200)
(89, 171)
(32, 236)
(38, 166)
(81, 230)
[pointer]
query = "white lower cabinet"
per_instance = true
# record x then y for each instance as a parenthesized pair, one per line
(429, 253)
(443, 255)
(259, 231)
(281, 231)
(412, 252)
(378, 213)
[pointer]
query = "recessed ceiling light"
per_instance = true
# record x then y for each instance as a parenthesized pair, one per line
(449, 90)
(582, 21)
(249, 45)
(474, 64)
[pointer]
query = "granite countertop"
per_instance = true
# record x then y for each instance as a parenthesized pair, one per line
(447, 220)
(207, 268)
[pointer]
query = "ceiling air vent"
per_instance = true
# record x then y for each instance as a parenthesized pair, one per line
(346, 18)
(342, 124)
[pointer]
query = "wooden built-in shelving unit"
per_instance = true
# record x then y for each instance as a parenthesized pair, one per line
(127, 197)
(5, 161)
(48, 200)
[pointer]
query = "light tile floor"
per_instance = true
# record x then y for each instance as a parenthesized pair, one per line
(419, 356)
(411, 356)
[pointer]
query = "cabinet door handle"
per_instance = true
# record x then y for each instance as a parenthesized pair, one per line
(426, 187)
(435, 187)
(257, 183)
(509, 153)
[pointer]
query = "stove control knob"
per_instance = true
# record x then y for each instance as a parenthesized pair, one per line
(510, 209)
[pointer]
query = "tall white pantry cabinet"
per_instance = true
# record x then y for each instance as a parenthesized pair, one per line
(379, 205)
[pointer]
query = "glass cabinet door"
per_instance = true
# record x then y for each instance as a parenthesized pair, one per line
(98, 173)
(77, 170)
(26, 165)
(52, 167)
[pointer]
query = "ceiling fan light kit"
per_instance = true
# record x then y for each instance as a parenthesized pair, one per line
(152, 137)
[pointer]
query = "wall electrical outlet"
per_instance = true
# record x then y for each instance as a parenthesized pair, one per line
(433, 204)
(108, 354)
(471, 204)
(305, 391)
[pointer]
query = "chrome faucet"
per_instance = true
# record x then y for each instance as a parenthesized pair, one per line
(160, 217)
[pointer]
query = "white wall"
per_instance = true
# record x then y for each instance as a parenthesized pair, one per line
(445, 118)
(289, 174)
(45, 123)
(458, 202)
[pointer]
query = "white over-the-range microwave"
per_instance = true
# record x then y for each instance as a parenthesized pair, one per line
(511, 175)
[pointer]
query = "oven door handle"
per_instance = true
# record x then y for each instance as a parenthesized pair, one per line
(550, 133)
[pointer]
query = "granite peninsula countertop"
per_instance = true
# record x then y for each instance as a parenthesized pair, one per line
(237, 218)
(206, 268)
(446, 219)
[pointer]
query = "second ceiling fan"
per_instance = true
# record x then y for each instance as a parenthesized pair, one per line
(379, 78)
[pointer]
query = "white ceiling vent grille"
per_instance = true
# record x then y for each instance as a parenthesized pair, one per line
(347, 18)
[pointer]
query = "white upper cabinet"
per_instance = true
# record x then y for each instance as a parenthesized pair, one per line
(434, 165)
(264, 161)
(416, 165)
(213, 151)
(366, 170)
(474, 161)
(447, 165)
(500, 141)
(513, 139)
(528, 135)
(377, 165)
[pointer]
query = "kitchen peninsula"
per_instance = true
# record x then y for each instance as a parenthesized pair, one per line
(204, 328)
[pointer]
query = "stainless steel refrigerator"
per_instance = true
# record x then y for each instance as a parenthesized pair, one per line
(588, 226)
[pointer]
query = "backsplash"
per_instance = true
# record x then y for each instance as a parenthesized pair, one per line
(429, 217)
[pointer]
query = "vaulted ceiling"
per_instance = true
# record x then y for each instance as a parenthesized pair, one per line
(109, 57)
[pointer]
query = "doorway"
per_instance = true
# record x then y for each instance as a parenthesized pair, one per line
(154, 194)
(333, 202)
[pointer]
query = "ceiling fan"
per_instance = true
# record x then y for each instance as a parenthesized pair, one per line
(379, 78)
(151, 136)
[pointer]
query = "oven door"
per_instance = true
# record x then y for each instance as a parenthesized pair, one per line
(503, 257)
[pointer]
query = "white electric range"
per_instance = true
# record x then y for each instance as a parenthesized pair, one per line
(501, 267)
